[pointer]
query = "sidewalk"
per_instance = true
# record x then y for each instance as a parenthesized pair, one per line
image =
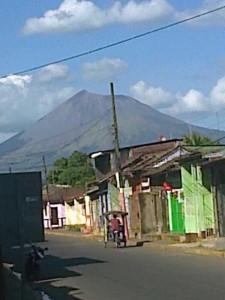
(188, 248)
(204, 247)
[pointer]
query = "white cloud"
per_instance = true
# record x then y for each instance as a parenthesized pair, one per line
(193, 101)
(217, 94)
(156, 97)
(16, 80)
(24, 99)
(81, 15)
(145, 11)
(213, 19)
(53, 72)
(103, 69)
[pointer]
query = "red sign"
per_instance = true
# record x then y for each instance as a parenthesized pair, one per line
(167, 186)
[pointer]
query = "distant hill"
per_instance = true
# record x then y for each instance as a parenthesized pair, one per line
(84, 123)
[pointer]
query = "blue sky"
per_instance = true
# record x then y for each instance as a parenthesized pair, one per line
(179, 71)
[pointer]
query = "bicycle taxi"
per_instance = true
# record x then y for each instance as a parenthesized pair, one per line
(118, 236)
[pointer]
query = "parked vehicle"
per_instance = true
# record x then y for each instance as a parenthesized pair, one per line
(32, 267)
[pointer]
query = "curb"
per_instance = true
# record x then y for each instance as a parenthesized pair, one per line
(72, 234)
(204, 252)
(192, 250)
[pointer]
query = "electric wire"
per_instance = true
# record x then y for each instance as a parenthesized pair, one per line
(205, 116)
(77, 138)
(70, 130)
(13, 164)
(113, 45)
(135, 37)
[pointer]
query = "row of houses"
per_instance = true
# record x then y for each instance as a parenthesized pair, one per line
(169, 188)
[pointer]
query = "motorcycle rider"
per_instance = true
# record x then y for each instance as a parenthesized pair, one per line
(115, 226)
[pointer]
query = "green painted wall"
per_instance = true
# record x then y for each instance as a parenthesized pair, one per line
(198, 204)
(207, 199)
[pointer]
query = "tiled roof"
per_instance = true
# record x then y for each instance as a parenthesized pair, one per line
(58, 194)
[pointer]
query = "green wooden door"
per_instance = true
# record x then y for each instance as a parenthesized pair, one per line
(177, 215)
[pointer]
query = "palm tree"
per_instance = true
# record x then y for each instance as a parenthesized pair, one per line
(196, 139)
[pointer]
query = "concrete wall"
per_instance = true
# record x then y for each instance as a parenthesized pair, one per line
(75, 213)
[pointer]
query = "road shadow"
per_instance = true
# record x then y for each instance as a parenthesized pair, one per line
(52, 270)
(56, 267)
(138, 244)
(58, 292)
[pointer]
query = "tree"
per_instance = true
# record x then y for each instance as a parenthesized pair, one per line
(74, 171)
(196, 139)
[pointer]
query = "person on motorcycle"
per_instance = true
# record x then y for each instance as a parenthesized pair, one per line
(115, 226)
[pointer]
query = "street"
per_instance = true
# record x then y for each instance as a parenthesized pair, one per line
(81, 268)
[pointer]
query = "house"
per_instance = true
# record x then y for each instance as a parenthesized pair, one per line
(170, 188)
(160, 211)
(215, 165)
(104, 161)
(133, 160)
(187, 182)
(198, 204)
(65, 206)
(53, 207)
(75, 210)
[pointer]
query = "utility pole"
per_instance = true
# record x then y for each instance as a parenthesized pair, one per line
(218, 124)
(189, 125)
(118, 160)
(47, 194)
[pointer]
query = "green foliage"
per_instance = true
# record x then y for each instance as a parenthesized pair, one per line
(74, 171)
(196, 139)
(61, 163)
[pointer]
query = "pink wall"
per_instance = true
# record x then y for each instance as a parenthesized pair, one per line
(61, 215)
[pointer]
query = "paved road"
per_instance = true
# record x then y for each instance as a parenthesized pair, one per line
(78, 268)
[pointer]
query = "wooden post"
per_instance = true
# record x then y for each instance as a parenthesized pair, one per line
(118, 161)
(47, 194)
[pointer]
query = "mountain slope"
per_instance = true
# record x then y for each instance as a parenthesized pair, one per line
(84, 122)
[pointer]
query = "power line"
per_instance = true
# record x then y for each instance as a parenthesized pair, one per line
(117, 43)
(95, 122)
(68, 143)
(98, 120)
(206, 116)
(36, 166)
(72, 129)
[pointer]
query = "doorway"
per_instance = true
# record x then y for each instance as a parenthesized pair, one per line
(54, 214)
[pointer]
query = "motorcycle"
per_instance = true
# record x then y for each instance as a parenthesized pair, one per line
(32, 267)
